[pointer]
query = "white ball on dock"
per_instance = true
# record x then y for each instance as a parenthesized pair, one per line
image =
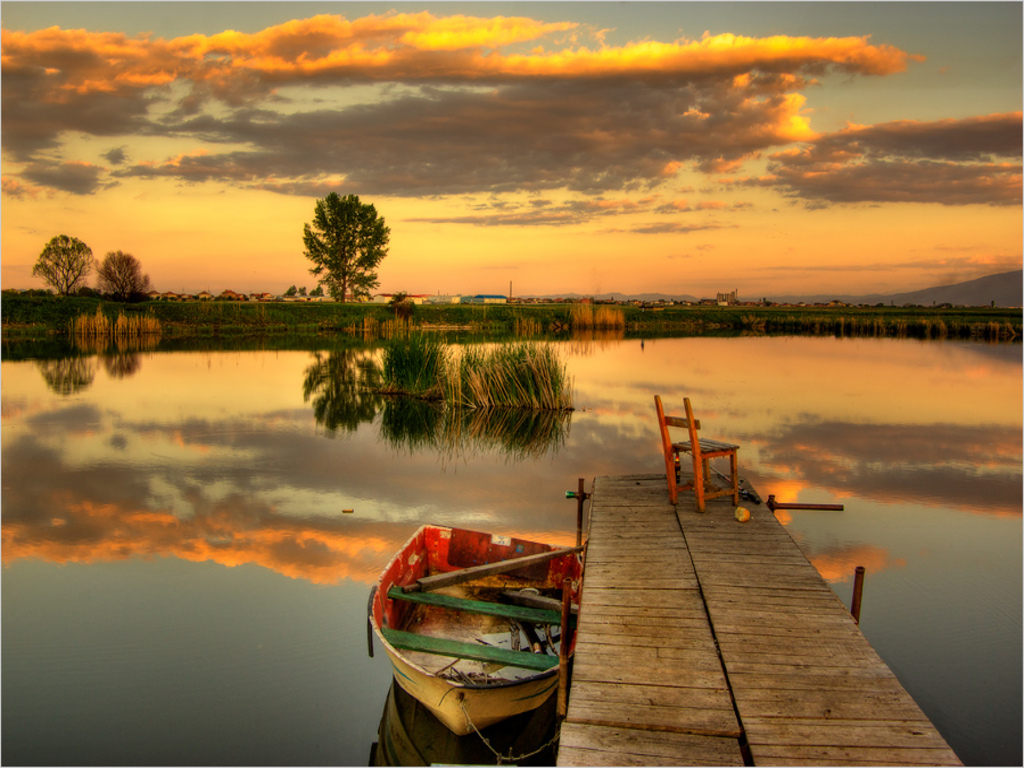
(742, 514)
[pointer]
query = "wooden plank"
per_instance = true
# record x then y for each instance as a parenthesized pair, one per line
(683, 627)
(595, 745)
(463, 575)
(441, 646)
(518, 612)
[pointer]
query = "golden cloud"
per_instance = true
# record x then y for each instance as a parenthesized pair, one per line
(415, 46)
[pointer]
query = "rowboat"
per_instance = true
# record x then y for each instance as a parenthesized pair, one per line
(473, 622)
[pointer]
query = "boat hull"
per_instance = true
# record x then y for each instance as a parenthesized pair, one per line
(461, 707)
(464, 706)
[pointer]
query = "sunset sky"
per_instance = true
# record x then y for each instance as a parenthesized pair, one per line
(667, 147)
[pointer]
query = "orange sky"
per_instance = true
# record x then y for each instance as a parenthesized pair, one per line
(671, 147)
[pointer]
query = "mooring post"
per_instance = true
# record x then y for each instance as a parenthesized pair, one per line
(563, 651)
(858, 592)
(580, 495)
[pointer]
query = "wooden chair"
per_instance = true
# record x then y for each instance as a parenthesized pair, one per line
(702, 451)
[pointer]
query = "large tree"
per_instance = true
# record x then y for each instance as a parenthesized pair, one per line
(346, 242)
(64, 264)
(120, 275)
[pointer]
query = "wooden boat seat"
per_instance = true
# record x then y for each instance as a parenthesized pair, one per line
(441, 646)
(518, 612)
(702, 451)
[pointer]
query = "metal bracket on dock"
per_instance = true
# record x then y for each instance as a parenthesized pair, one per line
(580, 495)
(773, 505)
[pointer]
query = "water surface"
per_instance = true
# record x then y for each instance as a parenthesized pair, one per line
(183, 585)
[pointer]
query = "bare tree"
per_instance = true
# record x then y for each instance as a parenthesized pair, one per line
(120, 275)
(64, 263)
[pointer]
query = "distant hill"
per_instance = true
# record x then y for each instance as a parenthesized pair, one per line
(1005, 290)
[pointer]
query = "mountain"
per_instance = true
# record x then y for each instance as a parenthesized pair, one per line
(1003, 290)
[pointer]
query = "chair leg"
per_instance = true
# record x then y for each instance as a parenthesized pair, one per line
(670, 474)
(700, 468)
(735, 479)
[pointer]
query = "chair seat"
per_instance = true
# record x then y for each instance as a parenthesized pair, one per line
(706, 445)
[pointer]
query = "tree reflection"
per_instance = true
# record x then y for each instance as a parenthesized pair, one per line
(121, 365)
(343, 386)
(67, 375)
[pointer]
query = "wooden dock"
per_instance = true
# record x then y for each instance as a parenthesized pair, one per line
(707, 641)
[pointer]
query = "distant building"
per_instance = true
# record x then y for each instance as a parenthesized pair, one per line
(727, 299)
(487, 298)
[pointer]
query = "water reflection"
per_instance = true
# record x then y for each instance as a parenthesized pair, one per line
(409, 734)
(515, 433)
(343, 386)
(222, 457)
(68, 375)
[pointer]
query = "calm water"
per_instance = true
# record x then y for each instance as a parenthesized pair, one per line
(182, 586)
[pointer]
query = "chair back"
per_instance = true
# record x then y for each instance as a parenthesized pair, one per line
(692, 425)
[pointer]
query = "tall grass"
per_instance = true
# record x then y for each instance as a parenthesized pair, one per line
(520, 375)
(415, 365)
(96, 332)
(586, 316)
(509, 376)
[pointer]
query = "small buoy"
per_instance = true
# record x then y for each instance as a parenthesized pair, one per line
(742, 514)
(347, 511)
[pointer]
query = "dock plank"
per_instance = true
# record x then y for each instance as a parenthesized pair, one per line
(698, 634)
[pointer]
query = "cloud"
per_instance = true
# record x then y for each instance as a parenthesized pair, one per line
(949, 162)
(76, 178)
(475, 110)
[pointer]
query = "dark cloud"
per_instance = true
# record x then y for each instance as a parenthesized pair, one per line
(115, 156)
(76, 178)
(950, 162)
(456, 114)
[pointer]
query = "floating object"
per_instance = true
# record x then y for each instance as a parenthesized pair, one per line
(347, 511)
(742, 514)
(442, 611)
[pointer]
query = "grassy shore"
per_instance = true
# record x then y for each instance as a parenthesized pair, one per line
(40, 317)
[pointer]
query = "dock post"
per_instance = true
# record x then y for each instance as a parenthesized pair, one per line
(580, 495)
(563, 650)
(858, 592)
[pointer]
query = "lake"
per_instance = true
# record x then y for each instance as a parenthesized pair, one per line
(184, 583)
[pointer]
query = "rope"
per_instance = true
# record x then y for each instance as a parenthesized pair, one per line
(510, 758)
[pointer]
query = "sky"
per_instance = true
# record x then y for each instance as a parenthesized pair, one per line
(551, 148)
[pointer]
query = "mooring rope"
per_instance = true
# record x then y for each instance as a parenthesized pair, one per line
(510, 758)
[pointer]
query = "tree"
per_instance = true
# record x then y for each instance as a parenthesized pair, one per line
(64, 264)
(291, 291)
(120, 275)
(346, 242)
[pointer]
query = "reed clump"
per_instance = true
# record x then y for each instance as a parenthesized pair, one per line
(123, 328)
(519, 375)
(415, 365)
(586, 316)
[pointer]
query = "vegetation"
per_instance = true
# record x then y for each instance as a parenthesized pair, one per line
(64, 264)
(519, 375)
(346, 242)
(38, 315)
(120, 276)
(602, 318)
